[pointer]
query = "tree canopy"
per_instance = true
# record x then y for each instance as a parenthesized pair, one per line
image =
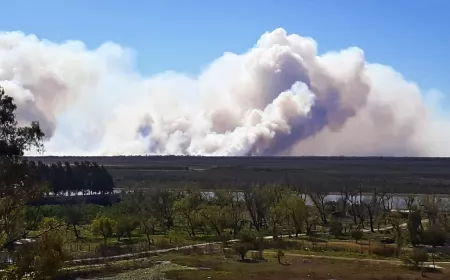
(19, 183)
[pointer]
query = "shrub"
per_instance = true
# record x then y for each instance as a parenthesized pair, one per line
(357, 235)
(241, 249)
(434, 236)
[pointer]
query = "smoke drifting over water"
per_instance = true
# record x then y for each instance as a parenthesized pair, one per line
(278, 98)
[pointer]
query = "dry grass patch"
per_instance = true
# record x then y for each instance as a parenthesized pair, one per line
(296, 268)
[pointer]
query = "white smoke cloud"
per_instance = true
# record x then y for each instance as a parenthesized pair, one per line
(278, 98)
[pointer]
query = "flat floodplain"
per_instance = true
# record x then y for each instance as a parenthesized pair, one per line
(395, 174)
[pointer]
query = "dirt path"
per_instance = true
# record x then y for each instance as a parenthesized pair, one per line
(391, 227)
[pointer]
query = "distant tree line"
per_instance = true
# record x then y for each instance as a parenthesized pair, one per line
(81, 177)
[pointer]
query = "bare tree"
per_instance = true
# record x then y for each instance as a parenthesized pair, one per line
(257, 203)
(372, 206)
(345, 194)
(410, 202)
(430, 205)
(318, 198)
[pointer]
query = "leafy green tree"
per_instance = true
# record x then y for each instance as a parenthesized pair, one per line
(125, 226)
(19, 180)
(103, 226)
(74, 216)
(277, 215)
(296, 210)
(162, 205)
(215, 217)
(148, 226)
(187, 209)
(44, 256)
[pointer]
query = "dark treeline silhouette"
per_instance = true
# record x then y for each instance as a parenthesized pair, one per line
(80, 177)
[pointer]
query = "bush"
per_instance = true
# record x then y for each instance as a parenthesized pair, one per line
(357, 235)
(241, 249)
(383, 251)
(434, 236)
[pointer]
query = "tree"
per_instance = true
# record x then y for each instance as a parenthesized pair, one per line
(311, 220)
(74, 215)
(276, 216)
(19, 181)
(257, 202)
(280, 254)
(415, 227)
(296, 209)
(357, 235)
(148, 226)
(43, 257)
(103, 226)
(241, 249)
(318, 198)
(215, 217)
(162, 202)
(373, 207)
(400, 239)
(187, 209)
(431, 207)
(247, 242)
(125, 226)
(234, 209)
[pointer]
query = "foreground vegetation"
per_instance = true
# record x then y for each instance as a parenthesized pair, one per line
(214, 265)
(238, 231)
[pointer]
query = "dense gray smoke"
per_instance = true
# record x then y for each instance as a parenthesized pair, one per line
(279, 98)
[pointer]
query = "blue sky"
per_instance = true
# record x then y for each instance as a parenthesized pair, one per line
(413, 36)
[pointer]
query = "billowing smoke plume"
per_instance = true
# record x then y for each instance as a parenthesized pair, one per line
(278, 98)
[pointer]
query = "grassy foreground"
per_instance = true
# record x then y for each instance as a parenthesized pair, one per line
(295, 267)
(195, 267)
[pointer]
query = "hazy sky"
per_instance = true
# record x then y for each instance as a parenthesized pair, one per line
(232, 79)
(413, 36)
